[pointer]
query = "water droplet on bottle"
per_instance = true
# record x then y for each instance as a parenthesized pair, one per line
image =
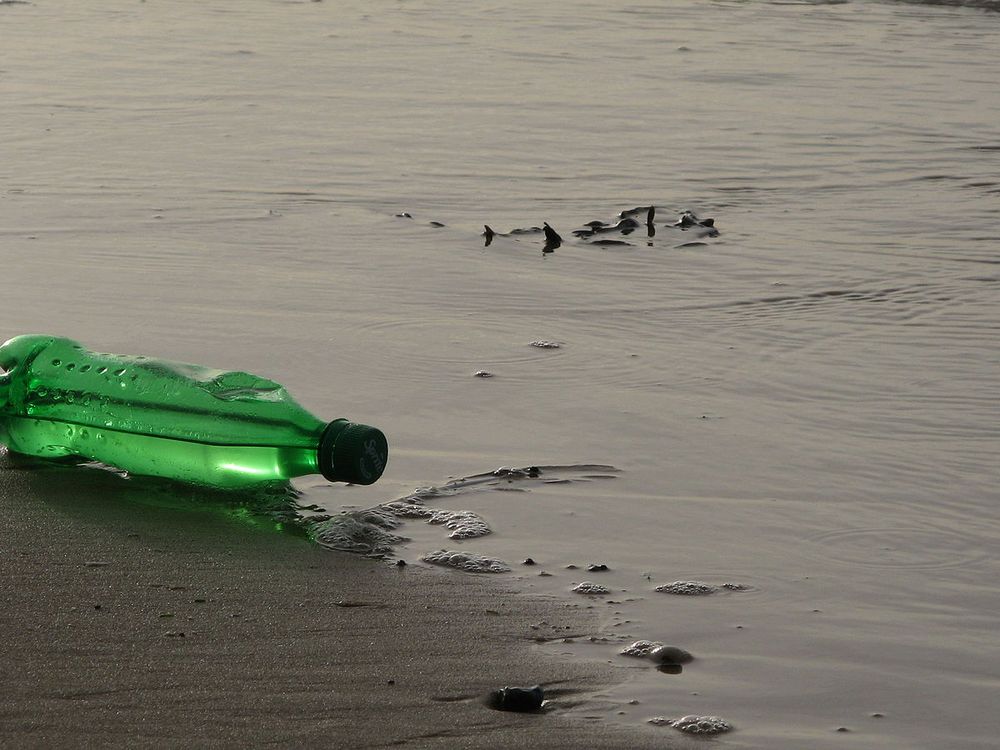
(85, 368)
(56, 362)
(102, 370)
(71, 366)
(120, 372)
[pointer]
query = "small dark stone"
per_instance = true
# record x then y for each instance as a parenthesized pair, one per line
(594, 568)
(571, 566)
(669, 655)
(523, 700)
(97, 606)
(843, 729)
(400, 563)
(528, 561)
(391, 682)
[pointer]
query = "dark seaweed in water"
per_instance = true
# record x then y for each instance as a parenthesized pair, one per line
(625, 224)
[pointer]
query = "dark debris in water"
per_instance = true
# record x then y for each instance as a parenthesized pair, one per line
(689, 230)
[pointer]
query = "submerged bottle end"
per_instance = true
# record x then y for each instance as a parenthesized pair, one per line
(352, 452)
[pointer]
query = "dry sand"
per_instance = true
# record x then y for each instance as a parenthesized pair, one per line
(283, 642)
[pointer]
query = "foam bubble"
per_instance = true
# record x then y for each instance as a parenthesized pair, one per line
(378, 517)
(466, 561)
(687, 588)
(363, 533)
(706, 725)
(640, 649)
(591, 588)
(402, 509)
(464, 523)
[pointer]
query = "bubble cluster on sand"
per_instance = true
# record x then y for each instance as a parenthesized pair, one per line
(363, 532)
(706, 725)
(687, 588)
(464, 524)
(405, 509)
(736, 586)
(378, 517)
(546, 344)
(640, 649)
(466, 561)
(591, 588)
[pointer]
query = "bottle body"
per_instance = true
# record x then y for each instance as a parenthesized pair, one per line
(168, 419)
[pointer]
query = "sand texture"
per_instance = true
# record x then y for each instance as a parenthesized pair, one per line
(283, 642)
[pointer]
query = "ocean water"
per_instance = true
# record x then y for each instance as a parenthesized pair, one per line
(806, 404)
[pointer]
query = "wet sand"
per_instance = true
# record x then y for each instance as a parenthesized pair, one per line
(137, 625)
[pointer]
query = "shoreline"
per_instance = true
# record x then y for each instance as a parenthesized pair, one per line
(136, 624)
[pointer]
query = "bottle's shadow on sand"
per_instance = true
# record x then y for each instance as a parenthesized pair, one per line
(92, 493)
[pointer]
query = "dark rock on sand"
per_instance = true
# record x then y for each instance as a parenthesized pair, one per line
(522, 700)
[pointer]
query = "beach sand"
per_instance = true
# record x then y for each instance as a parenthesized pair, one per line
(132, 624)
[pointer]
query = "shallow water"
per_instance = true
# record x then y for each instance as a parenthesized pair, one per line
(807, 404)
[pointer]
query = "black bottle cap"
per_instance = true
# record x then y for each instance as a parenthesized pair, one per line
(352, 452)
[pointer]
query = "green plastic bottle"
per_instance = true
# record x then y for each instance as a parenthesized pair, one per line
(168, 419)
